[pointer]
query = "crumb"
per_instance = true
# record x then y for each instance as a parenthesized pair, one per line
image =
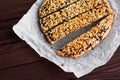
(51, 47)
(62, 64)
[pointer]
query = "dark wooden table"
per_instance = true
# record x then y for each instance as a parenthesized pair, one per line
(20, 62)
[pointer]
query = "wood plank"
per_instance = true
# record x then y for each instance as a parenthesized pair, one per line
(45, 70)
(20, 62)
(42, 70)
(10, 15)
(17, 54)
(9, 24)
(8, 36)
(14, 8)
(14, 55)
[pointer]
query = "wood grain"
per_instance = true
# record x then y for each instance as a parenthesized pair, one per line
(20, 62)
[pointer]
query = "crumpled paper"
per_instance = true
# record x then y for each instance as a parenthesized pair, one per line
(28, 30)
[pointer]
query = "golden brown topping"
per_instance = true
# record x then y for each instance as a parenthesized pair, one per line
(88, 40)
(67, 13)
(78, 22)
(50, 6)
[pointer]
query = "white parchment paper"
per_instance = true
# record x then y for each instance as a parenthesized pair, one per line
(28, 30)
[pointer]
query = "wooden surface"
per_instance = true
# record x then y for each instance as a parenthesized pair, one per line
(20, 62)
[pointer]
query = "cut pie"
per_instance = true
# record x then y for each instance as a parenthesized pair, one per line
(67, 13)
(78, 22)
(50, 6)
(88, 40)
(59, 18)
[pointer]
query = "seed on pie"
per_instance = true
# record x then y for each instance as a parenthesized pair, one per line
(50, 6)
(67, 13)
(76, 23)
(83, 43)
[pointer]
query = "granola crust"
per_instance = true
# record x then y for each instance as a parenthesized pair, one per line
(88, 40)
(50, 6)
(77, 23)
(67, 13)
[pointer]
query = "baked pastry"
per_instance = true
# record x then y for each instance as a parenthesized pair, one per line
(50, 6)
(88, 40)
(58, 18)
(67, 13)
(78, 22)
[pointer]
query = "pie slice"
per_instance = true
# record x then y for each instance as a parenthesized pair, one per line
(50, 6)
(78, 22)
(68, 12)
(88, 40)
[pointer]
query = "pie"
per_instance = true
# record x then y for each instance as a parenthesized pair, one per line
(50, 6)
(64, 14)
(88, 40)
(76, 23)
(59, 18)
